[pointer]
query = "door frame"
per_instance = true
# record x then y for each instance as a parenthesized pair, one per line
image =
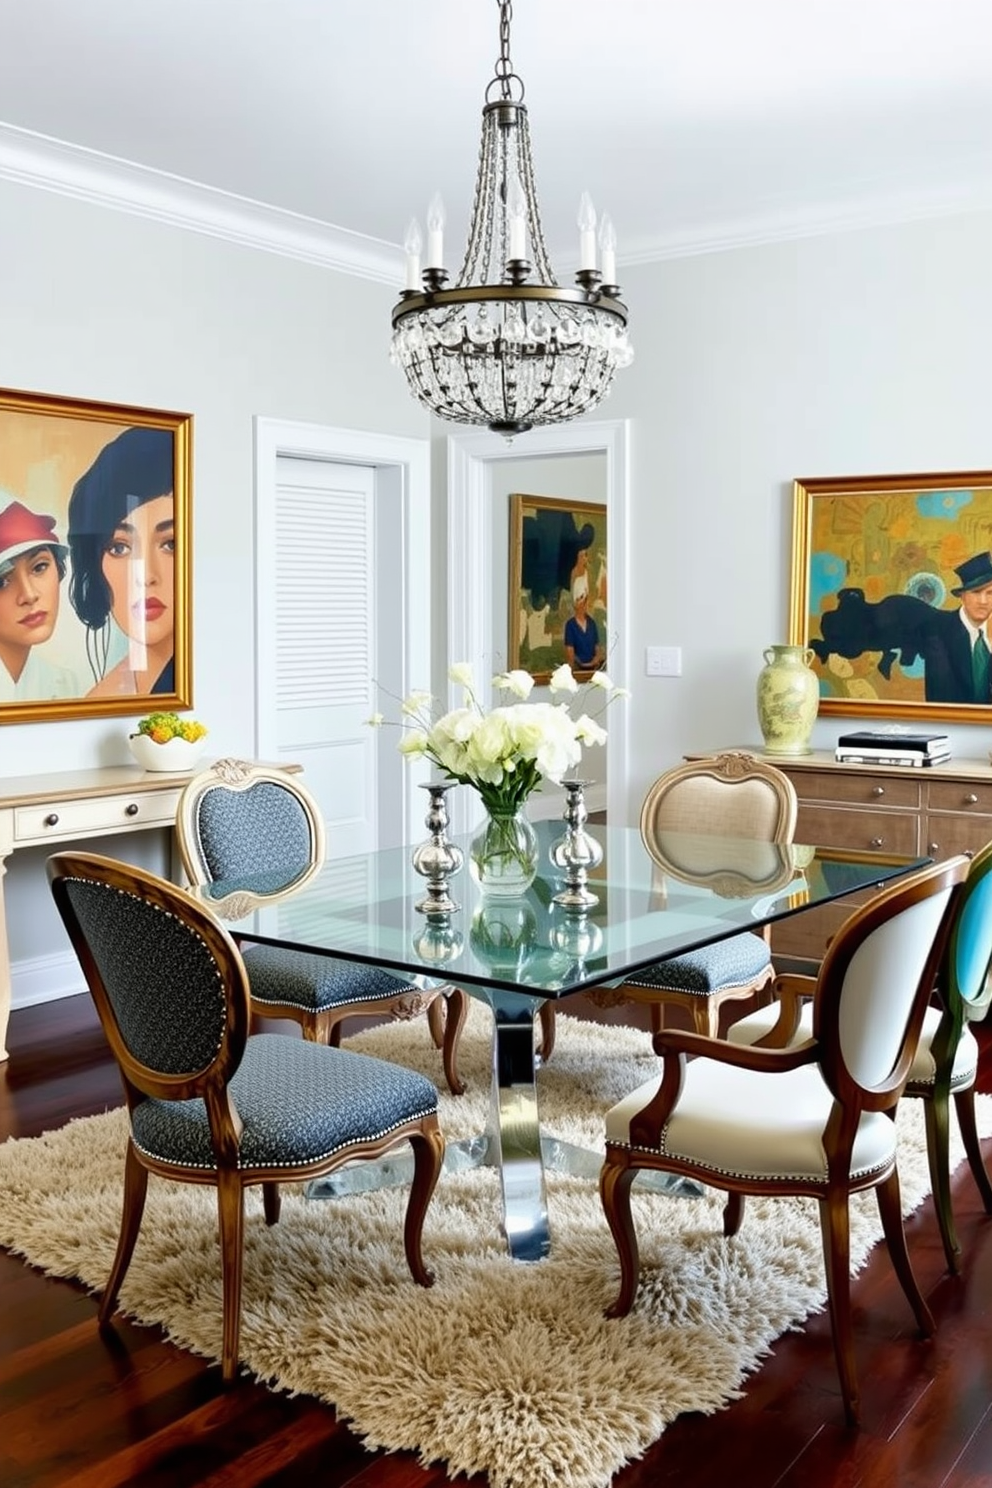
(402, 468)
(470, 457)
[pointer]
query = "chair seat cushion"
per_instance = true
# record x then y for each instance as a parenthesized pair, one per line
(300, 1102)
(301, 979)
(923, 1072)
(734, 962)
(747, 1124)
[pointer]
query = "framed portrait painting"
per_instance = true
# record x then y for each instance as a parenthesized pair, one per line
(94, 559)
(558, 586)
(892, 593)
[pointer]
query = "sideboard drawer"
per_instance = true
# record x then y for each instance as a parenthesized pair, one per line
(960, 795)
(891, 790)
(950, 833)
(865, 831)
(56, 821)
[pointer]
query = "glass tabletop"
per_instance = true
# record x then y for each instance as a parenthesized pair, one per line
(682, 892)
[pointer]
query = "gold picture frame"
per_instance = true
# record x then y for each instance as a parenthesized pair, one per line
(558, 585)
(884, 570)
(95, 558)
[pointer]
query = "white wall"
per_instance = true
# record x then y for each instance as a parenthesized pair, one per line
(99, 304)
(860, 353)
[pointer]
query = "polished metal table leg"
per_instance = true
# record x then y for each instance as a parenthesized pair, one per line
(515, 1135)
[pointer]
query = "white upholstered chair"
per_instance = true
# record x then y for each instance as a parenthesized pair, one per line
(812, 1119)
(238, 818)
(945, 1064)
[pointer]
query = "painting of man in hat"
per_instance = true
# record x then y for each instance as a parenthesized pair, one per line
(956, 644)
(32, 567)
(952, 646)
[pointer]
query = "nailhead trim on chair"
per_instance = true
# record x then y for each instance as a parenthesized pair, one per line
(279, 976)
(338, 1098)
(734, 962)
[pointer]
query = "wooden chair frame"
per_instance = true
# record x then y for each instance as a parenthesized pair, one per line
(850, 1101)
(212, 1085)
(964, 990)
(730, 769)
(446, 1006)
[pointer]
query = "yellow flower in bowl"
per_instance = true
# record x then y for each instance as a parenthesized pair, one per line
(164, 741)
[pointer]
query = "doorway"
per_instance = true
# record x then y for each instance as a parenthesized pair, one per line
(342, 561)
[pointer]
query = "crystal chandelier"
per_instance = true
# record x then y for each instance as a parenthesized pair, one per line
(508, 347)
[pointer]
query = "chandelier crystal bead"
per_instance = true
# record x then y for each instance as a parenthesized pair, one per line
(506, 346)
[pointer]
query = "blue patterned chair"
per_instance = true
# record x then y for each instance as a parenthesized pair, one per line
(813, 1119)
(946, 1060)
(207, 1102)
(239, 818)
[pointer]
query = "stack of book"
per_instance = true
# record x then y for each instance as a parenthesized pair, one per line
(868, 748)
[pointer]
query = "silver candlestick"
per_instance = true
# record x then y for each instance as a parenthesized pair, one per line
(437, 858)
(576, 852)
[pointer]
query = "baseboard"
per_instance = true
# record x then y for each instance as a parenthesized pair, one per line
(45, 979)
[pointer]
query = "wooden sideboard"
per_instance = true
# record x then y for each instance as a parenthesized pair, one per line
(934, 812)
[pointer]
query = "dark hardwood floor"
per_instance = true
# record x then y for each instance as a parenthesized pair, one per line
(79, 1410)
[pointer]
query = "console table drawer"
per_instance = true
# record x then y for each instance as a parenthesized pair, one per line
(866, 831)
(56, 821)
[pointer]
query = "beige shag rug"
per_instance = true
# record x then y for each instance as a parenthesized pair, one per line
(502, 1367)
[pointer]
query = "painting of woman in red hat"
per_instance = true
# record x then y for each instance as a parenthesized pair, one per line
(32, 567)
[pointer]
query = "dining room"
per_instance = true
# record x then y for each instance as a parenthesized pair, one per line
(203, 242)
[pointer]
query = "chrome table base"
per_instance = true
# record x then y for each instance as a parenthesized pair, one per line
(514, 1144)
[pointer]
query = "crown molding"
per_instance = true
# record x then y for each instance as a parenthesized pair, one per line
(880, 208)
(30, 159)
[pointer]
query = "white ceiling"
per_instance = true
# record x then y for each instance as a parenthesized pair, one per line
(695, 123)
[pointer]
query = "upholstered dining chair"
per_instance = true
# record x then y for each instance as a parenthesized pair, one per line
(732, 794)
(946, 1059)
(812, 1119)
(208, 1103)
(238, 818)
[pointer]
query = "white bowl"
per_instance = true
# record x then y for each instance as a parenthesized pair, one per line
(178, 756)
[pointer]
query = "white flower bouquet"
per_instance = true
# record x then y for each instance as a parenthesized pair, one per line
(505, 753)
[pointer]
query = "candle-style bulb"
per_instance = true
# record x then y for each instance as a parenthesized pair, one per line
(608, 248)
(587, 232)
(435, 232)
(412, 244)
(516, 214)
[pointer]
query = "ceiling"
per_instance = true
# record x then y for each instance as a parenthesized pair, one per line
(695, 123)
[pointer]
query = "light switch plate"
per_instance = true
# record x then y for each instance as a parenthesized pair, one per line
(663, 661)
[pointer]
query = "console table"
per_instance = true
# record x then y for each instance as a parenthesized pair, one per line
(937, 810)
(38, 810)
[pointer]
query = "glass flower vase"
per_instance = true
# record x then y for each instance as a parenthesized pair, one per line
(503, 855)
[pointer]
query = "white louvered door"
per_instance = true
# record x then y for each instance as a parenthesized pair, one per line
(325, 643)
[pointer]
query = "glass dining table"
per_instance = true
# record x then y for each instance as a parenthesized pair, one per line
(654, 901)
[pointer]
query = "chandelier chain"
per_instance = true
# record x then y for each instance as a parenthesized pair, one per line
(504, 75)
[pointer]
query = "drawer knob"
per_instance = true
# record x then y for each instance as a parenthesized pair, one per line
(971, 799)
(52, 820)
(933, 848)
(131, 809)
(876, 841)
(878, 790)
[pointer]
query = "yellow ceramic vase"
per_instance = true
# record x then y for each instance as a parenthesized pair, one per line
(788, 697)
